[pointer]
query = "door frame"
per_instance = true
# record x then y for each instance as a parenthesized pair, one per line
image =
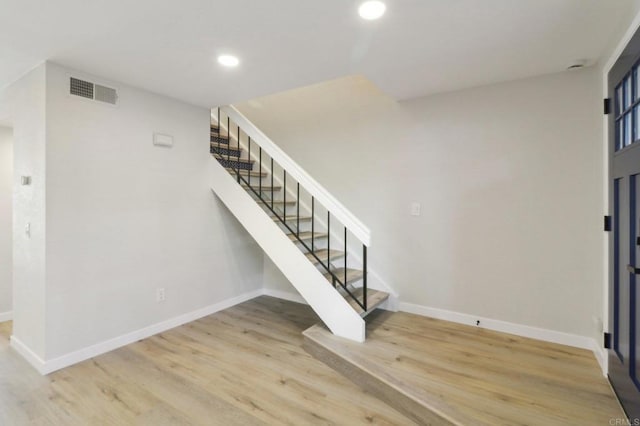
(608, 185)
(617, 66)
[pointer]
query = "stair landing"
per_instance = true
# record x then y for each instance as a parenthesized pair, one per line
(443, 373)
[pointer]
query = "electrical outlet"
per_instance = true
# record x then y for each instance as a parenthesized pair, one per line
(160, 296)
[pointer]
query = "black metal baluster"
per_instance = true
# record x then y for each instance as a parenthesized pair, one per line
(249, 154)
(328, 238)
(345, 256)
(259, 170)
(239, 156)
(313, 223)
(272, 186)
(219, 126)
(364, 278)
(298, 211)
(284, 172)
(228, 142)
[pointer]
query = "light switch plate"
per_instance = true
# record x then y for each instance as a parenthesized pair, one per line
(415, 209)
(160, 139)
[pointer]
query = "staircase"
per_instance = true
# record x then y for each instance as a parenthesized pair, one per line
(315, 241)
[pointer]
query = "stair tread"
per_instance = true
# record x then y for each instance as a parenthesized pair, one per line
(375, 298)
(292, 218)
(353, 275)
(264, 187)
(245, 172)
(226, 146)
(232, 158)
(277, 202)
(323, 254)
(306, 235)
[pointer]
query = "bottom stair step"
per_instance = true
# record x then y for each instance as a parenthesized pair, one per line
(375, 298)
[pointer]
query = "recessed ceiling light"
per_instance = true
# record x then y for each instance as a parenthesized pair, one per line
(371, 10)
(228, 60)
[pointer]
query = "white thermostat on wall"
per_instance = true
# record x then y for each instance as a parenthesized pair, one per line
(160, 139)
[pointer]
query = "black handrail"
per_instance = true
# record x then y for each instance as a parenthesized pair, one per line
(335, 280)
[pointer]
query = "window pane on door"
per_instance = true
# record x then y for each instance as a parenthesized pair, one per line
(627, 129)
(627, 92)
(636, 123)
(619, 98)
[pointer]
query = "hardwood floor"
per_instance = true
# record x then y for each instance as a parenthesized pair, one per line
(242, 366)
(246, 366)
(455, 374)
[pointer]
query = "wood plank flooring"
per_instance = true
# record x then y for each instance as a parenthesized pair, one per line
(241, 366)
(440, 372)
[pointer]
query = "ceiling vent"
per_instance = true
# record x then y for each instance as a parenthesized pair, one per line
(86, 89)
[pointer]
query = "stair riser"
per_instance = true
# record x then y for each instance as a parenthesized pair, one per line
(235, 164)
(225, 151)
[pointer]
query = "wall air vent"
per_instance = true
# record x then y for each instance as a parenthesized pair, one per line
(89, 90)
(81, 88)
(106, 94)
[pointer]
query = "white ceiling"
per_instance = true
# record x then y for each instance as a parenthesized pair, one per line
(419, 47)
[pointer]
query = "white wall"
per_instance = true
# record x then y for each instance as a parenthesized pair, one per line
(509, 177)
(6, 221)
(125, 218)
(24, 104)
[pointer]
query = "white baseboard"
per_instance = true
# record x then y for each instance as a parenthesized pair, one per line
(49, 366)
(6, 316)
(284, 295)
(28, 354)
(546, 335)
(601, 355)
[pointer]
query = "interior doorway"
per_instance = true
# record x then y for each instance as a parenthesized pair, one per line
(624, 202)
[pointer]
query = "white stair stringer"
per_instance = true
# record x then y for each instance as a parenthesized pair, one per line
(329, 305)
